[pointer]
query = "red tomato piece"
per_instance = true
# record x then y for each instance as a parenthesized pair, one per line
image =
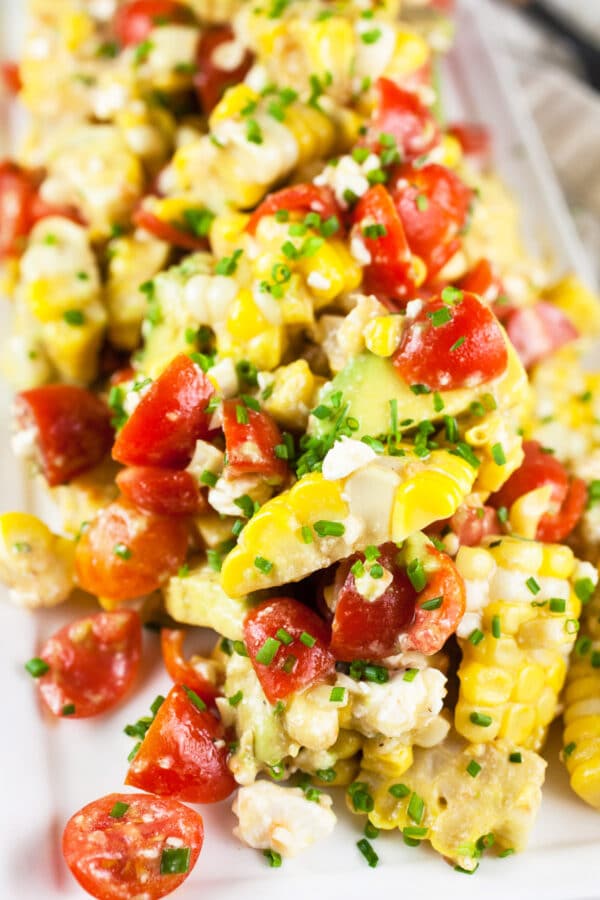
(93, 663)
(390, 269)
(167, 231)
(475, 141)
(433, 204)
(17, 193)
(125, 553)
(166, 492)
(169, 419)
(295, 664)
(187, 737)
(134, 21)
(11, 77)
(303, 198)
(452, 345)
(472, 524)
(538, 331)
(72, 429)
(482, 280)
(115, 846)
(402, 114)
(182, 670)
(250, 440)
(431, 628)
(567, 499)
(212, 80)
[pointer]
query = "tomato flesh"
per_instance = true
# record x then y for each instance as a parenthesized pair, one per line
(250, 439)
(9, 71)
(482, 280)
(134, 21)
(117, 857)
(93, 663)
(72, 429)
(179, 756)
(17, 193)
(125, 553)
(401, 113)
(167, 231)
(303, 198)
(475, 141)
(166, 492)
(182, 670)
(295, 665)
(538, 331)
(169, 419)
(470, 525)
(450, 345)
(211, 81)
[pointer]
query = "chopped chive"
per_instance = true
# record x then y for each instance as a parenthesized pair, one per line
(263, 565)
(584, 589)
(268, 651)
(457, 343)
(156, 704)
(595, 659)
(508, 852)
(175, 860)
(246, 504)
(119, 810)
(440, 316)
(236, 698)
(473, 769)
(370, 831)
(481, 719)
(434, 603)
(394, 418)
(502, 513)
(410, 675)
(498, 455)
(438, 401)
(360, 796)
(241, 414)
(284, 636)
(376, 571)
(325, 528)
(122, 551)
(399, 791)
(583, 645)
(289, 664)
(515, 757)
(196, 700)
(327, 775)
(557, 605)
(134, 750)
(240, 648)
(307, 639)
(466, 871)
(476, 637)
(416, 808)
(533, 585)
(273, 858)
(74, 317)
(68, 709)
(37, 667)
(496, 626)
(415, 832)
(208, 478)
(568, 750)
(307, 536)
(420, 389)
(416, 574)
(363, 845)
(337, 694)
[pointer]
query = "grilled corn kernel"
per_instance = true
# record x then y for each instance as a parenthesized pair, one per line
(382, 335)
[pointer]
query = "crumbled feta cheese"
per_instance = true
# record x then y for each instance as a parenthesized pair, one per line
(346, 175)
(373, 588)
(359, 250)
(206, 457)
(346, 456)
(397, 707)
(223, 495)
(224, 373)
(318, 281)
(228, 55)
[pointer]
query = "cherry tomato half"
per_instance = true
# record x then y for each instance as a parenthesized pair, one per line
(300, 654)
(537, 331)
(17, 194)
(10, 75)
(452, 344)
(72, 429)
(183, 754)
(125, 553)
(212, 78)
(475, 141)
(166, 492)
(167, 231)
(93, 663)
(302, 198)
(251, 437)
(402, 115)
(132, 845)
(182, 670)
(134, 21)
(482, 280)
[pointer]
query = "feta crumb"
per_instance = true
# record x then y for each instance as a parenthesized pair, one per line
(346, 456)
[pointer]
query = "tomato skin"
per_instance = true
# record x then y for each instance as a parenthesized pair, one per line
(210, 81)
(432, 224)
(93, 663)
(165, 231)
(134, 21)
(402, 114)
(186, 735)
(251, 447)
(475, 141)
(169, 419)
(390, 269)
(152, 548)
(568, 496)
(431, 628)
(181, 670)
(538, 331)
(471, 527)
(73, 430)
(482, 280)
(302, 198)
(166, 492)
(113, 858)
(17, 193)
(312, 663)
(425, 355)
(11, 77)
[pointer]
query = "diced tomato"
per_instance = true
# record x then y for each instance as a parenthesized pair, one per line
(401, 113)
(390, 269)
(119, 846)
(182, 670)
(374, 629)
(567, 499)
(166, 492)
(72, 429)
(251, 437)
(134, 21)
(169, 419)
(93, 663)
(183, 754)
(166, 231)
(538, 331)
(433, 204)
(125, 553)
(452, 345)
(301, 641)
(482, 280)
(212, 80)
(17, 193)
(475, 141)
(122, 376)
(11, 77)
(302, 198)
(470, 524)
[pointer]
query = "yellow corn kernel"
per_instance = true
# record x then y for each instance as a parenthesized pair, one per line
(470, 729)
(583, 729)
(485, 685)
(345, 773)
(37, 565)
(293, 395)
(76, 28)
(520, 555)
(226, 231)
(475, 563)
(331, 271)
(526, 512)
(315, 498)
(411, 53)
(249, 334)
(556, 673)
(578, 303)
(348, 744)
(511, 616)
(382, 335)
(491, 651)
(315, 133)
(583, 688)
(389, 758)
(585, 780)
(234, 100)
(451, 154)
(329, 46)
(424, 498)
(546, 706)
(517, 724)
(530, 684)
(558, 561)
(73, 349)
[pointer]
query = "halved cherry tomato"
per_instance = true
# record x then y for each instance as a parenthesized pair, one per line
(182, 670)
(167, 231)
(115, 846)
(374, 629)
(17, 193)
(568, 495)
(125, 553)
(482, 280)
(250, 440)
(452, 345)
(470, 524)
(302, 638)
(72, 429)
(93, 663)
(11, 77)
(433, 204)
(134, 21)
(212, 80)
(401, 114)
(302, 198)
(475, 141)
(183, 754)
(378, 225)
(538, 331)
(166, 492)
(169, 419)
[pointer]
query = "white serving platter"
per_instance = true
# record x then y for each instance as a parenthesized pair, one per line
(49, 769)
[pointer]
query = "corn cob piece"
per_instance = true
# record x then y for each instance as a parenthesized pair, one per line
(516, 636)
(197, 598)
(35, 564)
